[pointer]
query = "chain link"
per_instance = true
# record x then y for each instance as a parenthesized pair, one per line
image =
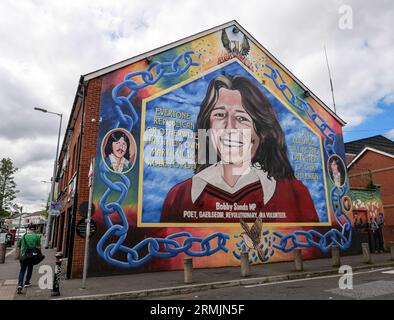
(128, 117)
(148, 248)
(266, 246)
(314, 238)
(310, 238)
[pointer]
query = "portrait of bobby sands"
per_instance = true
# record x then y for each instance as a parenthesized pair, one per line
(251, 169)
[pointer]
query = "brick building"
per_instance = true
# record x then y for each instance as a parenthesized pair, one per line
(73, 172)
(371, 162)
(108, 102)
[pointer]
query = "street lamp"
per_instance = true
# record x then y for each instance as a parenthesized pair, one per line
(52, 195)
(19, 209)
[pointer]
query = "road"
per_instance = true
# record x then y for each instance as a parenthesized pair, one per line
(369, 285)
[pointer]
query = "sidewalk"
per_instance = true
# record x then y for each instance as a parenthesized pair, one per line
(171, 282)
(9, 272)
(8, 275)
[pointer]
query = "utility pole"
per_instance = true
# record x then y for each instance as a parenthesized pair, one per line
(87, 235)
(19, 209)
(52, 197)
(20, 217)
(329, 75)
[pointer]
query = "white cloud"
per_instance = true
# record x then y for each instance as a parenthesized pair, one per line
(389, 99)
(46, 45)
(390, 134)
(288, 121)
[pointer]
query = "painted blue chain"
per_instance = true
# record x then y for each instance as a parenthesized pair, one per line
(300, 238)
(303, 239)
(266, 246)
(127, 118)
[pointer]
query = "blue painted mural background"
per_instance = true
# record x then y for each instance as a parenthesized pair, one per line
(157, 182)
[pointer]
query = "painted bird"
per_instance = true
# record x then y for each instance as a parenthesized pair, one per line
(252, 236)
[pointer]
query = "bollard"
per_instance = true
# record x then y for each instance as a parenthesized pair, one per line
(335, 255)
(366, 252)
(245, 268)
(188, 270)
(392, 250)
(2, 252)
(299, 266)
(64, 269)
(56, 277)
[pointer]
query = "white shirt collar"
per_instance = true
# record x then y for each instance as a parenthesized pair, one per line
(214, 175)
(118, 168)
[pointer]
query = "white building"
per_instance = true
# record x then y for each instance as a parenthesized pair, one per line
(27, 218)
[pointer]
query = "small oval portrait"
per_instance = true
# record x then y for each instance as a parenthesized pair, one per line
(347, 204)
(119, 151)
(336, 168)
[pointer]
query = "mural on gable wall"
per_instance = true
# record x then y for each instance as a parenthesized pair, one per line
(370, 201)
(211, 149)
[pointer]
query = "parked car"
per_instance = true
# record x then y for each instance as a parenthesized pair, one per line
(20, 232)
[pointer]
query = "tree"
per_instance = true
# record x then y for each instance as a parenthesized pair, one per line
(44, 213)
(370, 184)
(8, 189)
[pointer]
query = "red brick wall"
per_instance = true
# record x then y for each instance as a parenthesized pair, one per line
(66, 200)
(349, 158)
(382, 170)
(89, 144)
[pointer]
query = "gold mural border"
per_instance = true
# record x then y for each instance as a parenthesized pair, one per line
(220, 224)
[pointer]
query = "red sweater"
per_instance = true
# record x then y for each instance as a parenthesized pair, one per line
(291, 202)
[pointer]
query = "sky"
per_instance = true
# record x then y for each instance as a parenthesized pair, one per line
(46, 45)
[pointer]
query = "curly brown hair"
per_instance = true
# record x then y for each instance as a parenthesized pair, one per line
(271, 154)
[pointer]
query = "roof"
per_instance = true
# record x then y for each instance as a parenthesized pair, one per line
(27, 214)
(113, 67)
(378, 142)
(370, 149)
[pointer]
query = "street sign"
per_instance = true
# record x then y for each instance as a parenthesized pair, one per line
(2, 237)
(81, 228)
(54, 209)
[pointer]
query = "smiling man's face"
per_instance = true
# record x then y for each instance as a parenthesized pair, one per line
(119, 148)
(233, 133)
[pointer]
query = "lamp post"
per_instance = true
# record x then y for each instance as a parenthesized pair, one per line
(52, 195)
(19, 209)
